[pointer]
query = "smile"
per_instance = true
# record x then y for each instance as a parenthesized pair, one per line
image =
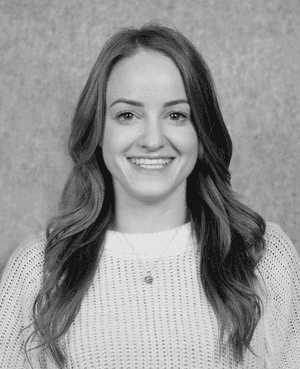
(151, 163)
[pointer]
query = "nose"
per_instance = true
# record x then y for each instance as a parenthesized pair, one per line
(153, 135)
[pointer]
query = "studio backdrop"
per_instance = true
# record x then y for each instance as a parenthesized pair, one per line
(47, 49)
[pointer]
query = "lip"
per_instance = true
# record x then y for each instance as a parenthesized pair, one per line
(146, 170)
(150, 157)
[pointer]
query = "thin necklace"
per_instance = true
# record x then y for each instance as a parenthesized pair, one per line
(149, 279)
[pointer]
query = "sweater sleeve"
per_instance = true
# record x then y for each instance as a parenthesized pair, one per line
(18, 288)
(281, 272)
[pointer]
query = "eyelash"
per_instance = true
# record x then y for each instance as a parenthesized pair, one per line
(129, 112)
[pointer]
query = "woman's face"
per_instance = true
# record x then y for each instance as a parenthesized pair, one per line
(143, 120)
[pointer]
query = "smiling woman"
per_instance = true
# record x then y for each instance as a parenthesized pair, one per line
(152, 262)
(150, 196)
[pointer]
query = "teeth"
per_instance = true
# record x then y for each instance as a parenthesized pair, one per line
(150, 161)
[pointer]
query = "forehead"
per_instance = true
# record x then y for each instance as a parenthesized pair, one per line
(147, 73)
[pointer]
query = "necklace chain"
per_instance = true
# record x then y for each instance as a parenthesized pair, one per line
(149, 279)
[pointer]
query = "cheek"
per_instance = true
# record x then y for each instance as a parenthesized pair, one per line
(110, 140)
(116, 139)
(190, 144)
(114, 146)
(108, 148)
(193, 151)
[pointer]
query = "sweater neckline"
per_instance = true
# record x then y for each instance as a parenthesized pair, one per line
(149, 245)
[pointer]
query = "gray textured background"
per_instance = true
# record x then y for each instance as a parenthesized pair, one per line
(47, 49)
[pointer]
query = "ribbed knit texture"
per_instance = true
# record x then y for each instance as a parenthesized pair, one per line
(125, 323)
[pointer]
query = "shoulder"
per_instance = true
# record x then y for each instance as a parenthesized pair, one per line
(280, 269)
(279, 249)
(26, 262)
(280, 264)
(19, 285)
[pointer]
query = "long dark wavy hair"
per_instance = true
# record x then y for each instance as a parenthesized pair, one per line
(229, 234)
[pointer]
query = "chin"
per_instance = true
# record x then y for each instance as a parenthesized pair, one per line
(150, 196)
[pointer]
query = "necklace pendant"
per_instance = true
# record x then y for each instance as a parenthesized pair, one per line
(148, 279)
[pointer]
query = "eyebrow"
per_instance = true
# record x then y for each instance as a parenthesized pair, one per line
(141, 105)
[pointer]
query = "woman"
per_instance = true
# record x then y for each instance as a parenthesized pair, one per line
(152, 262)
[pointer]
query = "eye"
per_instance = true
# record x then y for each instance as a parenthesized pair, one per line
(178, 115)
(125, 115)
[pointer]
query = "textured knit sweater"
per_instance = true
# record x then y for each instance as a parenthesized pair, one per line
(124, 322)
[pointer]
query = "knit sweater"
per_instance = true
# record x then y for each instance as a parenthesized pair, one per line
(124, 322)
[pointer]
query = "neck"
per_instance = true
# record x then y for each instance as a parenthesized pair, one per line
(140, 217)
